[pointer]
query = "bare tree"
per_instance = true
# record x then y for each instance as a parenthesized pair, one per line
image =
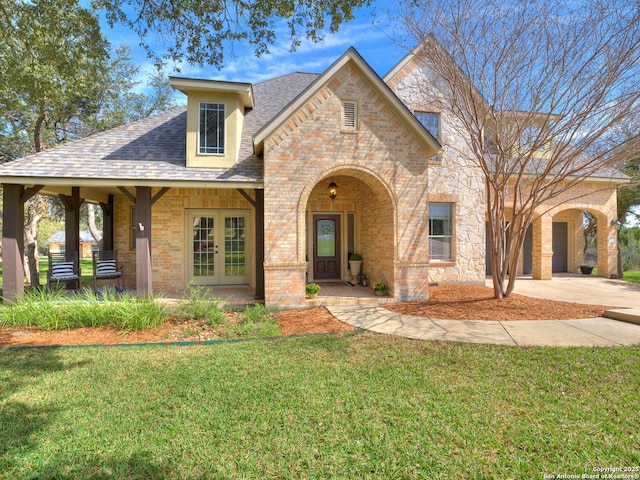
(536, 86)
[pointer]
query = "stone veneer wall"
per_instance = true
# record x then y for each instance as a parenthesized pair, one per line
(309, 149)
(453, 178)
(168, 241)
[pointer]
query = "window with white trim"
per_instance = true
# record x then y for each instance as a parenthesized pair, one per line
(349, 115)
(211, 129)
(441, 231)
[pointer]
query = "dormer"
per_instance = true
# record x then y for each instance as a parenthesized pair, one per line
(215, 118)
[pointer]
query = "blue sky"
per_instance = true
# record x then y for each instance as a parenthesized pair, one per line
(371, 33)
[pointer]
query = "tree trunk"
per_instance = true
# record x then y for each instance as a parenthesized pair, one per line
(31, 233)
(91, 220)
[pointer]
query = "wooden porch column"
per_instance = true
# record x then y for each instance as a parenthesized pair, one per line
(259, 209)
(107, 224)
(143, 242)
(12, 242)
(72, 220)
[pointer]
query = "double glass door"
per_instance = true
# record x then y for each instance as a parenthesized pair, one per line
(217, 247)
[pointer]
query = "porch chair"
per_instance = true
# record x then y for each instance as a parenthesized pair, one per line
(64, 267)
(105, 267)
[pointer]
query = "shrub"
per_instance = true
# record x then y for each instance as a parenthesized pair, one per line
(200, 304)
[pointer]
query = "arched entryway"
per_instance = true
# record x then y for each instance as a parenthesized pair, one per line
(359, 220)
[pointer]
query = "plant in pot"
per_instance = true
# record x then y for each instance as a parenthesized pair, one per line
(379, 288)
(312, 290)
(355, 264)
(586, 269)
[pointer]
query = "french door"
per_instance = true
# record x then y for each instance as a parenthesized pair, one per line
(217, 247)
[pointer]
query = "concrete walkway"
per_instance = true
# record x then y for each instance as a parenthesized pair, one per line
(580, 332)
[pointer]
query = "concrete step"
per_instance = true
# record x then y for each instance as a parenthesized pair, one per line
(630, 315)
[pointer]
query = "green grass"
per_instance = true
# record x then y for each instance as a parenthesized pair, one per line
(346, 406)
(632, 276)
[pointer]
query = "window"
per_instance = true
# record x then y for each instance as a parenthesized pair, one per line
(349, 115)
(211, 130)
(440, 231)
(430, 121)
(134, 228)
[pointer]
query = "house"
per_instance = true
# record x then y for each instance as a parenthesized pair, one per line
(87, 244)
(233, 189)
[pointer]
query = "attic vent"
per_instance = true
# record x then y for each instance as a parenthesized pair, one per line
(349, 115)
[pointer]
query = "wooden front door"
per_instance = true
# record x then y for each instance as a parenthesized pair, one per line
(326, 247)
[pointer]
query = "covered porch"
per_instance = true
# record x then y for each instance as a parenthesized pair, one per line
(132, 215)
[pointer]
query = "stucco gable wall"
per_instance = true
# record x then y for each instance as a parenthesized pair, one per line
(310, 147)
(455, 177)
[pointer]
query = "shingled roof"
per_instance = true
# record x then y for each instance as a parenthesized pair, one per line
(153, 150)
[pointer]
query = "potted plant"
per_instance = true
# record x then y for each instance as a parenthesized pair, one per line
(312, 290)
(355, 264)
(379, 288)
(586, 269)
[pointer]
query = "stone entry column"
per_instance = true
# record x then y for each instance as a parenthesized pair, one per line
(542, 255)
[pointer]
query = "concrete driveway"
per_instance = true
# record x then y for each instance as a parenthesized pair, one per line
(587, 289)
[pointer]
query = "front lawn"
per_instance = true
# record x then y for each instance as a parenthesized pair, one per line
(356, 405)
(632, 276)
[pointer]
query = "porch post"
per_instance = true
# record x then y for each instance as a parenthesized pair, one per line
(143, 242)
(72, 220)
(107, 224)
(259, 209)
(12, 243)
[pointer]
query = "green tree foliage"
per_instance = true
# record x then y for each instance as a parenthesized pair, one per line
(60, 81)
(200, 32)
(53, 58)
(629, 195)
(629, 244)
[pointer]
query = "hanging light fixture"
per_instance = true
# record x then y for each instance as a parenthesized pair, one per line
(333, 190)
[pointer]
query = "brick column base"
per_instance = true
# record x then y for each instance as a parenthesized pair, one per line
(411, 282)
(284, 284)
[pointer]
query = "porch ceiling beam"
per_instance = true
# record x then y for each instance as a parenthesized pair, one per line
(247, 196)
(72, 201)
(128, 194)
(30, 192)
(159, 195)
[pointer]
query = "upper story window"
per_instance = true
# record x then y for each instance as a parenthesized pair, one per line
(430, 121)
(349, 115)
(211, 129)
